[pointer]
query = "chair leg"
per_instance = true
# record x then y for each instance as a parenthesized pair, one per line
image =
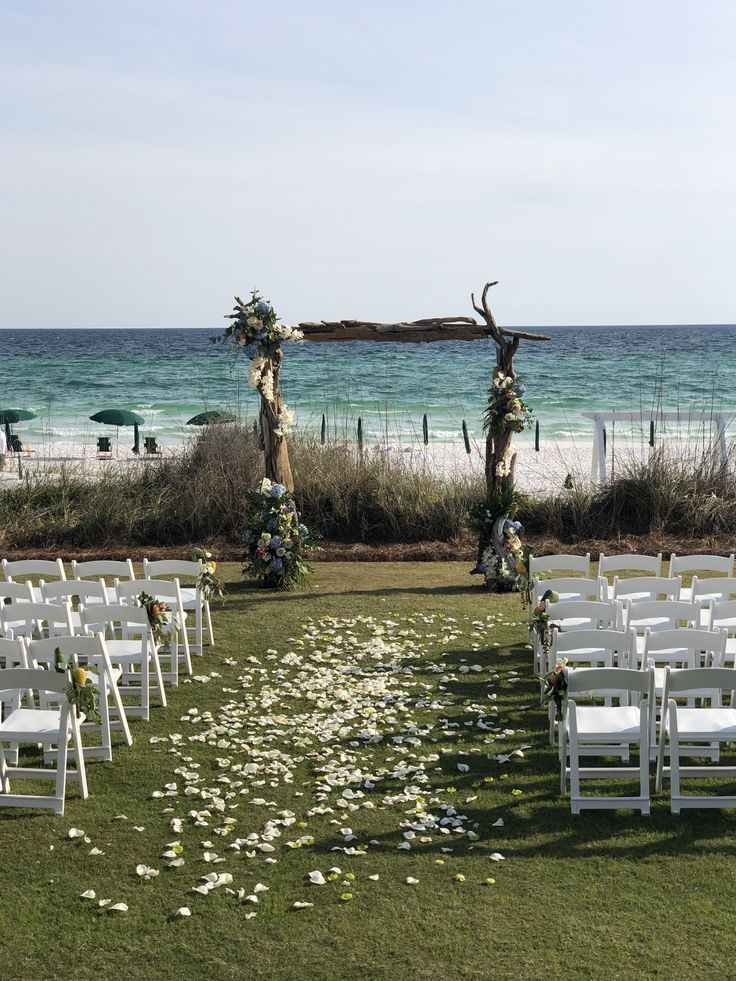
(4, 781)
(81, 774)
(674, 762)
(210, 631)
(61, 765)
(120, 710)
(159, 681)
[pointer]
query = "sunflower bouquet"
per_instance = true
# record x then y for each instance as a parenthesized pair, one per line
(81, 693)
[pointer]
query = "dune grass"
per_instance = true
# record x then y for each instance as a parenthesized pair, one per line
(603, 895)
(198, 496)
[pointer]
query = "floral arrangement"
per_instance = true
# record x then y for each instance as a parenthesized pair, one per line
(275, 537)
(81, 693)
(540, 623)
(555, 687)
(158, 617)
(208, 583)
(256, 332)
(506, 407)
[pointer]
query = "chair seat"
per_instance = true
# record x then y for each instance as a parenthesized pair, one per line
(189, 598)
(706, 723)
(33, 724)
(124, 651)
(653, 623)
(601, 723)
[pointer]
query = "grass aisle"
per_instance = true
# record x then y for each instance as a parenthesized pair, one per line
(392, 705)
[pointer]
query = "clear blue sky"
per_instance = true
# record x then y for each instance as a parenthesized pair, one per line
(376, 160)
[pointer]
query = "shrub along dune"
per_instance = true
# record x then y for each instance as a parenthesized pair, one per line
(378, 502)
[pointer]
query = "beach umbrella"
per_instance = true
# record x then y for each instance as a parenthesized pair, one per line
(210, 418)
(11, 416)
(121, 417)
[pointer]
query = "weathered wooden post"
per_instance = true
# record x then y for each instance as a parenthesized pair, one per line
(256, 330)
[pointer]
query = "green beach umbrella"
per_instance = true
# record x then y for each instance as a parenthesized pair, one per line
(9, 416)
(121, 417)
(210, 418)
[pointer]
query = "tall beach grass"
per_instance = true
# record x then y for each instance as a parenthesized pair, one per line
(198, 496)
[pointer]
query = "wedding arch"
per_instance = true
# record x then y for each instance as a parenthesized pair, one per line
(255, 328)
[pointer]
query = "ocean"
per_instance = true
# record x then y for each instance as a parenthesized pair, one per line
(168, 375)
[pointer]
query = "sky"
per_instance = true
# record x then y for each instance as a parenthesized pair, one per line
(373, 160)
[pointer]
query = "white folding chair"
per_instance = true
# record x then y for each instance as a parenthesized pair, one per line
(178, 638)
(194, 601)
(643, 565)
(12, 655)
(722, 615)
(36, 620)
(721, 565)
(109, 571)
(659, 615)
(92, 653)
(680, 648)
(717, 589)
(569, 615)
(685, 728)
(48, 569)
(65, 593)
(596, 730)
(30, 725)
(541, 565)
(10, 594)
(588, 649)
(643, 589)
(130, 646)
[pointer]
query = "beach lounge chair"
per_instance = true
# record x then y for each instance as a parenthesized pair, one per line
(104, 447)
(150, 446)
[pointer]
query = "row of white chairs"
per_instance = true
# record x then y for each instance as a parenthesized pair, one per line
(696, 729)
(635, 589)
(111, 572)
(98, 625)
(646, 565)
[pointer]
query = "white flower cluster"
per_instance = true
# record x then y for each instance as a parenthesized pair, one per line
(503, 467)
(286, 333)
(285, 422)
(260, 377)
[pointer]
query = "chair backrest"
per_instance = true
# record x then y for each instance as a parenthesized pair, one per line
(604, 614)
(723, 614)
(568, 587)
(27, 619)
(150, 444)
(598, 648)
(36, 679)
(117, 621)
(164, 589)
(720, 564)
(13, 654)
(105, 569)
(46, 568)
(684, 646)
(569, 564)
(706, 682)
(661, 614)
(103, 444)
(43, 652)
(717, 587)
(644, 588)
(602, 680)
(64, 591)
(171, 567)
(648, 565)
(15, 592)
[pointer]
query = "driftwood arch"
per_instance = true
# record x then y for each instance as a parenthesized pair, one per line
(500, 462)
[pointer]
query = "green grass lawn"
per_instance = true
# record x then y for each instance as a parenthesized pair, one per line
(361, 679)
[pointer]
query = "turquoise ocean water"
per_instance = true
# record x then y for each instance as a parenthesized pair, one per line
(169, 375)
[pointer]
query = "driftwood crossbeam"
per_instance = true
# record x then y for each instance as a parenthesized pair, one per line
(410, 332)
